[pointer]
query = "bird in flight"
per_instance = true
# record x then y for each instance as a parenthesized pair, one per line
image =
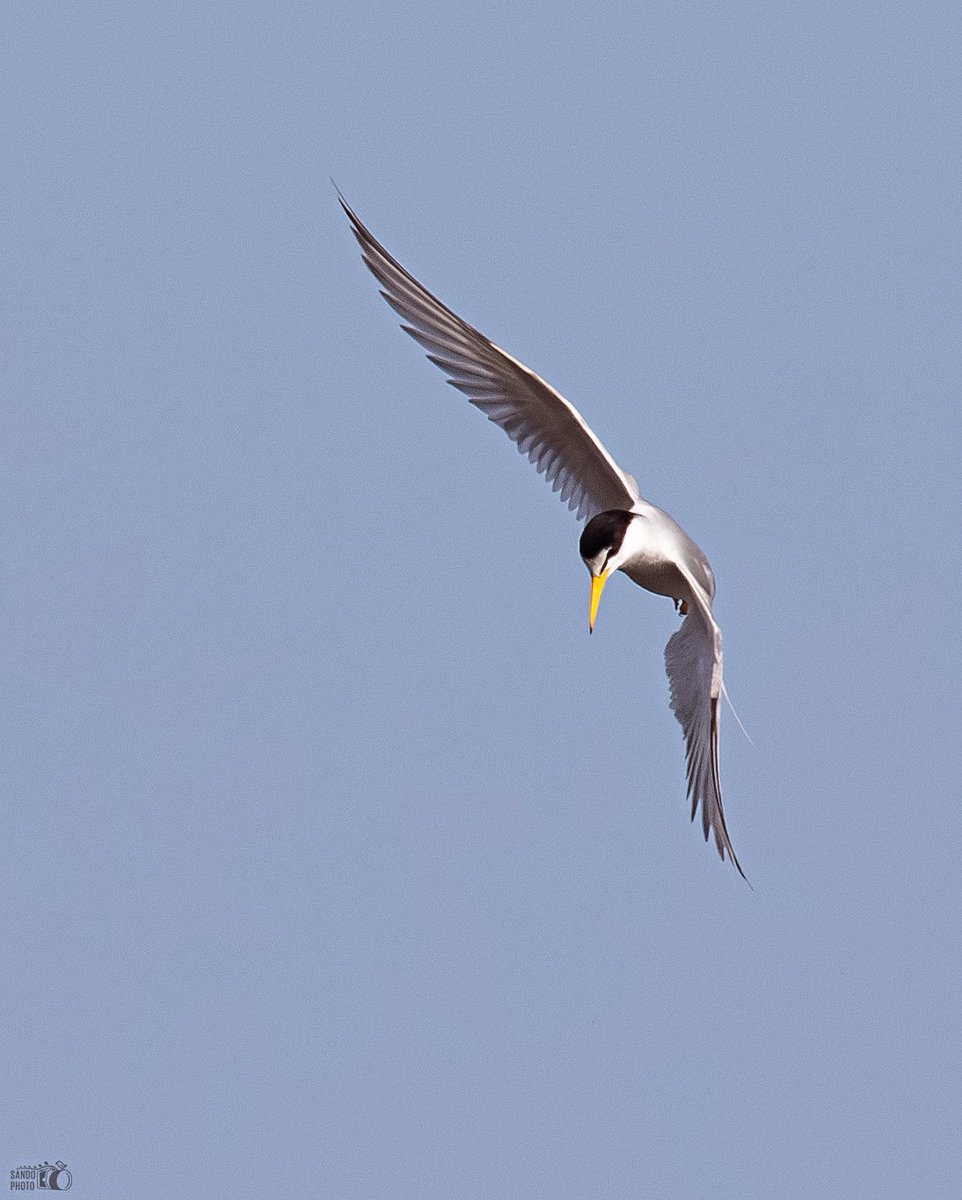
(624, 532)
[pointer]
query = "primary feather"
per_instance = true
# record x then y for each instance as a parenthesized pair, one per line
(693, 660)
(539, 420)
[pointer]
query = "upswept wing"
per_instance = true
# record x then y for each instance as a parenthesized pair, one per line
(544, 426)
(693, 658)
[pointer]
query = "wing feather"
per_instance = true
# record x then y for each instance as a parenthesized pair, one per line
(545, 427)
(693, 658)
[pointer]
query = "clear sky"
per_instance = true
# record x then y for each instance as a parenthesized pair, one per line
(337, 860)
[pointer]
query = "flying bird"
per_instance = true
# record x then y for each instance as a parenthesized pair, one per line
(624, 532)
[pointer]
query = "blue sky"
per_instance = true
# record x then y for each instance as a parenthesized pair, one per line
(337, 859)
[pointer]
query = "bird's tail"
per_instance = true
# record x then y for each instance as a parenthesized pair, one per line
(736, 716)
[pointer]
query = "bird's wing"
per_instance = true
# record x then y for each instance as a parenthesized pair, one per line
(693, 658)
(538, 419)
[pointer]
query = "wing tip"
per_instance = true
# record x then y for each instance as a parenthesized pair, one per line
(724, 846)
(343, 203)
(715, 824)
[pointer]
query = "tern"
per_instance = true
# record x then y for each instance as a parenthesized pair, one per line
(624, 532)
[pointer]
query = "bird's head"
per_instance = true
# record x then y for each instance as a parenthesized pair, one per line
(603, 550)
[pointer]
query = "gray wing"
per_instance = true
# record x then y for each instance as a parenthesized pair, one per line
(693, 658)
(538, 419)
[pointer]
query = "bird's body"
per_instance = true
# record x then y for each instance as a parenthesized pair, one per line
(624, 532)
(658, 543)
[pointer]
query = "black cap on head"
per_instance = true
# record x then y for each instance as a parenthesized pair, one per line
(606, 531)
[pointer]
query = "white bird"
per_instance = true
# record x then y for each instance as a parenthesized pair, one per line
(623, 533)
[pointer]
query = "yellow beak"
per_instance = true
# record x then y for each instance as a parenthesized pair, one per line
(597, 587)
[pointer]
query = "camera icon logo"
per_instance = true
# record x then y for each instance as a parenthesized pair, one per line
(55, 1178)
(48, 1177)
